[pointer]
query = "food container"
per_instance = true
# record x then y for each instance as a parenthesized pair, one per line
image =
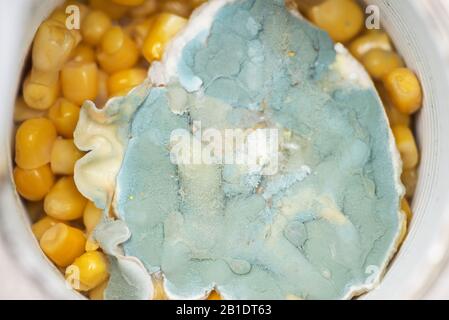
(420, 31)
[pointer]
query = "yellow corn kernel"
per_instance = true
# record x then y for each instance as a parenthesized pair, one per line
(91, 216)
(40, 227)
(103, 94)
(63, 244)
(91, 245)
(165, 27)
(98, 292)
(88, 271)
(22, 112)
(84, 9)
(406, 144)
(63, 157)
(138, 30)
(64, 114)
(147, 8)
(58, 15)
(404, 90)
(379, 62)
(83, 53)
(95, 26)
(79, 81)
(214, 295)
(367, 42)
(396, 117)
(120, 83)
(197, 3)
(34, 140)
(342, 19)
(52, 45)
(405, 207)
(118, 51)
(403, 233)
(180, 8)
(40, 89)
(130, 3)
(33, 184)
(113, 10)
(159, 292)
(64, 202)
(410, 179)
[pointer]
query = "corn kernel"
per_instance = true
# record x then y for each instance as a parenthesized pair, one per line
(34, 140)
(98, 292)
(146, 9)
(118, 51)
(130, 3)
(120, 83)
(197, 3)
(180, 8)
(88, 271)
(63, 244)
(33, 184)
(342, 19)
(91, 216)
(405, 207)
(406, 145)
(83, 53)
(113, 10)
(403, 233)
(214, 295)
(35, 210)
(64, 114)
(52, 45)
(64, 202)
(40, 227)
(63, 157)
(95, 26)
(409, 179)
(367, 42)
(159, 292)
(396, 117)
(41, 90)
(165, 27)
(404, 90)
(58, 15)
(138, 30)
(379, 62)
(79, 81)
(91, 245)
(22, 112)
(103, 94)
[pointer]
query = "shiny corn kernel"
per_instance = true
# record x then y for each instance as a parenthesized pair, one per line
(379, 62)
(83, 53)
(63, 156)
(64, 202)
(52, 45)
(146, 9)
(113, 10)
(33, 184)
(79, 81)
(41, 226)
(130, 3)
(214, 295)
(395, 117)
(405, 207)
(58, 15)
(91, 216)
(403, 233)
(120, 83)
(22, 112)
(165, 27)
(410, 179)
(63, 244)
(342, 19)
(180, 8)
(40, 91)
(404, 90)
(88, 271)
(103, 94)
(138, 30)
(406, 144)
(64, 114)
(34, 141)
(98, 292)
(367, 42)
(118, 51)
(95, 26)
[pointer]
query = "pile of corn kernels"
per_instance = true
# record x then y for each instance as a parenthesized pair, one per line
(107, 57)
